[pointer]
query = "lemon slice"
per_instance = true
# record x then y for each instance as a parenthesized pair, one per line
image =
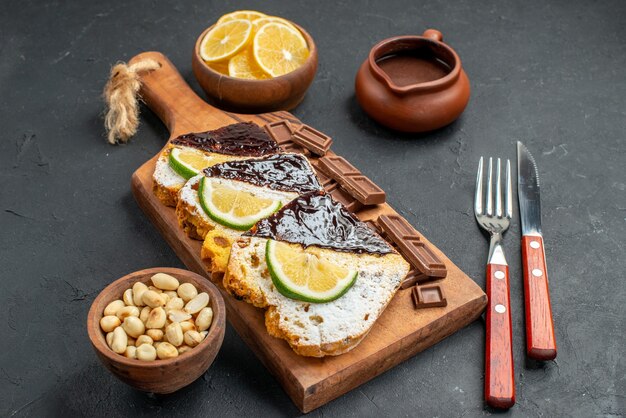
(236, 209)
(250, 15)
(258, 23)
(302, 274)
(243, 65)
(188, 162)
(220, 67)
(225, 40)
(279, 49)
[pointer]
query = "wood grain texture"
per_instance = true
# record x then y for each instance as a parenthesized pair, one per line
(540, 340)
(499, 374)
(399, 333)
(159, 376)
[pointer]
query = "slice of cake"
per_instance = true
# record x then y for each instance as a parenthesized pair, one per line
(323, 276)
(186, 155)
(227, 199)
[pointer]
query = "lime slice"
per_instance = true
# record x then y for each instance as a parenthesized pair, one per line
(188, 162)
(236, 209)
(301, 274)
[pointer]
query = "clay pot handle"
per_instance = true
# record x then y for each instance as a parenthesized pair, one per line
(433, 34)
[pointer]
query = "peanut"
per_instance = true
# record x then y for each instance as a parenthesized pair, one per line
(113, 307)
(152, 299)
(119, 340)
(109, 338)
(171, 293)
(133, 326)
(177, 315)
(146, 352)
(145, 314)
(127, 311)
(155, 289)
(155, 334)
(165, 281)
(166, 350)
(109, 323)
(187, 326)
(128, 297)
(174, 303)
(183, 349)
(131, 341)
(196, 304)
(138, 290)
(131, 351)
(156, 319)
(192, 338)
(204, 319)
(144, 339)
(174, 334)
(187, 291)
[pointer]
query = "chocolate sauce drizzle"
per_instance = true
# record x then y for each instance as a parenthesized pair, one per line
(243, 139)
(285, 172)
(316, 219)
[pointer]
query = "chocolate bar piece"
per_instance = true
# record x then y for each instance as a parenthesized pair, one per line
(359, 186)
(295, 148)
(414, 250)
(343, 197)
(312, 139)
(281, 131)
(430, 296)
(415, 277)
(325, 181)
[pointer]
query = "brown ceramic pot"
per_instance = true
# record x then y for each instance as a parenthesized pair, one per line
(256, 96)
(159, 376)
(421, 106)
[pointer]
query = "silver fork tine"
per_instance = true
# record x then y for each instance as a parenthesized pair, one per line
(508, 194)
(498, 190)
(490, 188)
(478, 197)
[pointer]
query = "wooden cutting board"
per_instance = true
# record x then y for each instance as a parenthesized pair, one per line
(399, 333)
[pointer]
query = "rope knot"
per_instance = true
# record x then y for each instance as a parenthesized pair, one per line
(120, 94)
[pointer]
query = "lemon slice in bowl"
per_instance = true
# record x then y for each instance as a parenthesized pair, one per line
(188, 162)
(250, 15)
(258, 23)
(302, 274)
(236, 209)
(225, 40)
(243, 65)
(279, 49)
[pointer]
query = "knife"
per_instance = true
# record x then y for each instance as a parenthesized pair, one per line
(540, 341)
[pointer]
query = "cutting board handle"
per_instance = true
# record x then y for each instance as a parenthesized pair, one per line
(169, 96)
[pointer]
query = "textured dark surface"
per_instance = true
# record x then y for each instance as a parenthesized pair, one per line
(551, 74)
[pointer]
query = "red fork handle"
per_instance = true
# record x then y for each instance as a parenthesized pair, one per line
(540, 341)
(499, 380)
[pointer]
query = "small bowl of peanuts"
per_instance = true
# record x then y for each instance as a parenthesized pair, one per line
(158, 329)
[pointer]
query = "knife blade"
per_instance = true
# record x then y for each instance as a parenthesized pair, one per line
(540, 339)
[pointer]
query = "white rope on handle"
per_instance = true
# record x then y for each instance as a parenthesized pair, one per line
(120, 93)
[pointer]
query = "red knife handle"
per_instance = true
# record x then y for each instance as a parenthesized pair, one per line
(499, 380)
(540, 341)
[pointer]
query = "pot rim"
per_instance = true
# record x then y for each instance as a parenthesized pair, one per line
(431, 37)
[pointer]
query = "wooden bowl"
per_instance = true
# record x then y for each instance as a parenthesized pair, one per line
(256, 96)
(158, 376)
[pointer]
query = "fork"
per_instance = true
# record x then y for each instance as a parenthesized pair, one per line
(499, 380)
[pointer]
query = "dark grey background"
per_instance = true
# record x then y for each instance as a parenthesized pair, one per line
(551, 74)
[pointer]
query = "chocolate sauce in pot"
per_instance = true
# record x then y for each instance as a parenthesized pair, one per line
(316, 219)
(413, 67)
(285, 172)
(243, 139)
